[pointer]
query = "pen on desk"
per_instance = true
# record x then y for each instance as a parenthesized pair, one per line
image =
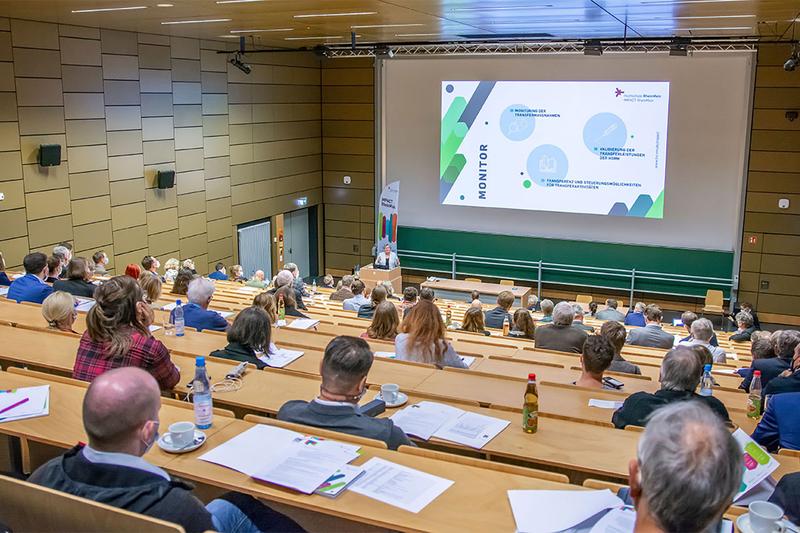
(10, 407)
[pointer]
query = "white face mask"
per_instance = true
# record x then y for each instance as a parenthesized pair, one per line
(148, 445)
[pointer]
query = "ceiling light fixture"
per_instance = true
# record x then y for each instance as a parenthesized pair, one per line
(351, 14)
(203, 21)
(262, 31)
(692, 17)
(237, 1)
(679, 47)
(418, 34)
(105, 9)
(593, 48)
(165, 5)
(315, 38)
(727, 28)
(365, 26)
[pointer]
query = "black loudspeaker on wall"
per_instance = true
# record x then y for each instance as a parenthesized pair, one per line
(49, 155)
(165, 179)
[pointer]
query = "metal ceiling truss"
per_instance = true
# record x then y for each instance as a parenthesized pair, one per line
(518, 48)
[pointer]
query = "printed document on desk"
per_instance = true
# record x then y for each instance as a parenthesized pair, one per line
(280, 357)
(431, 419)
(758, 464)
(399, 485)
(302, 323)
(556, 510)
(27, 402)
(424, 418)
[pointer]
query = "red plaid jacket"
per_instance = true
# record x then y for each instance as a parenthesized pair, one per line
(145, 352)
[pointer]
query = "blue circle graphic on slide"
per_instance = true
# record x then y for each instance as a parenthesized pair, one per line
(547, 163)
(516, 122)
(604, 130)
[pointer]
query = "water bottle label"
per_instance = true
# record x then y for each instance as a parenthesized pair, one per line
(203, 413)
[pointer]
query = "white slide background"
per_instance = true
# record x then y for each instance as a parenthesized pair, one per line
(709, 110)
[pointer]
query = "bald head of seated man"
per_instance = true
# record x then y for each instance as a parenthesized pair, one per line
(121, 418)
(687, 472)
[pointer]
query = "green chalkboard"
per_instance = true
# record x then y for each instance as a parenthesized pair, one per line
(680, 261)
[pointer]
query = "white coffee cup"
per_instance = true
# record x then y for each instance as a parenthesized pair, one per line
(766, 517)
(181, 434)
(389, 392)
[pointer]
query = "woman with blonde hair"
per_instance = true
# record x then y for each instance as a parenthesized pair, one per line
(151, 285)
(266, 301)
(423, 338)
(171, 269)
(473, 321)
(189, 264)
(237, 273)
(384, 322)
(58, 310)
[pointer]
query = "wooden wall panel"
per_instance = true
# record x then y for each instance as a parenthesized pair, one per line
(348, 130)
(770, 270)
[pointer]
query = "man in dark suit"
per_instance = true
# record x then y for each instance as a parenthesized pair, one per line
(651, 334)
(745, 327)
(495, 317)
(780, 425)
(680, 375)
(786, 342)
(561, 335)
(344, 370)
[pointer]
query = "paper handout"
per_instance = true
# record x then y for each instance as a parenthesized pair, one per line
(386, 355)
(758, 464)
(27, 402)
(555, 510)
(223, 314)
(604, 404)
(84, 305)
(4, 291)
(431, 419)
(399, 485)
(467, 360)
(302, 323)
(279, 357)
(620, 520)
(338, 482)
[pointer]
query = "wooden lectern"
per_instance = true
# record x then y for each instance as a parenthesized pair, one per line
(371, 276)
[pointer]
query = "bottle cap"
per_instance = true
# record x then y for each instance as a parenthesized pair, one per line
(707, 368)
(200, 361)
(757, 373)
(177, 302)
(531, 377)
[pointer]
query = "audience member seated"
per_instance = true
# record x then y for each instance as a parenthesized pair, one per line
(377, 296)
(495, 317)
(780, 425)
(151, 264)
(133, 270)
(258, 280)
(31, 287)
(761, 346)
(117, 335)
(121, 419)
(422, 338)
(681, 371)
(78, 279)
(787, 496)
(702, 331)
(248, 336)
(55, 266)
(58, 310)
(182, 280)
(409, 299)
(287, 292)
(651, 334)
(171, 268)
(343, 291)
(687, 471)
(592, 310)
(560, 335)
(595, 359)
(745, 327)
(687, 319)
(327, 281)
(390, 295)
(523, 326)
(237, 274)
(344, 370)
(5, 281)
(616, 334)
(64, 251)
(100, 260)
(787, 381)
(473, 321)
(385, 322)
(610, 312)
(151, 286)
(474, 295)
(547, 307)
(785, 342)
(747, 308)
(189, 264)
(286, 278)
(533, 303)
(358, 299)
(266, 302)
(297, 281)
(426, 293)
(196, 313)
(219, 273)
(577, 321)
(635, 316)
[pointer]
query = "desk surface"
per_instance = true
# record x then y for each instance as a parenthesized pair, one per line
(460, 285)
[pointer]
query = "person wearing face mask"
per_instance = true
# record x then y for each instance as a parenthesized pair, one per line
(344, 370)
(100, 261)
(121, 419)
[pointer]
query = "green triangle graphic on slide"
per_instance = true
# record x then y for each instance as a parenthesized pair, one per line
(657, 209)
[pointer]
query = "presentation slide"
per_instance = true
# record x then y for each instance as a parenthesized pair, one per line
(567, 146)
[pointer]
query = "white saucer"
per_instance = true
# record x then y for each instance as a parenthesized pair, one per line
(743, 523)
(165, 443)
(402, 398)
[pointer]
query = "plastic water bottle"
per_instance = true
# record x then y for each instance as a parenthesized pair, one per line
(177, 319)
(201, 395)
(754, 396)
(706, 382)
(314, 287)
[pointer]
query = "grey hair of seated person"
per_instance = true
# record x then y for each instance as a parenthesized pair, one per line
(563, 314)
